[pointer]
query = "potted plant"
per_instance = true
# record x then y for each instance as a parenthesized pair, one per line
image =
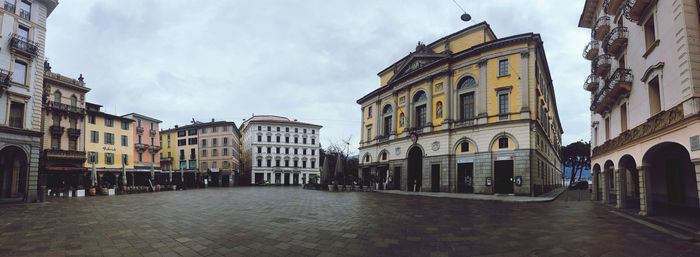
(92, 191)
(104, 189)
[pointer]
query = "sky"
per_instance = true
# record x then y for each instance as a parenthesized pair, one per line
(178, 60)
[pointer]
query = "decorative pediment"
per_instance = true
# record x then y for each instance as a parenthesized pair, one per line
(422, 57)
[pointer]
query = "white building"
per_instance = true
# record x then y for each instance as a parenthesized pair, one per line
(23, 31)
(279, 150)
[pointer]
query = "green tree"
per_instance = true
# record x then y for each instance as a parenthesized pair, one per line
(576, 155)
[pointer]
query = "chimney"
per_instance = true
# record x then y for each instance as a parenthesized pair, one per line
(175, 126)
(212, 119)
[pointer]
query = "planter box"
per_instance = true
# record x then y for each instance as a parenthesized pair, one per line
(111, 191)
(80, 193)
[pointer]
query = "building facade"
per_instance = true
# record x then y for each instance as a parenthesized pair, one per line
(203, 150)
(21, 80)
(146, 146)
(109, 146)
(468, 113)
(280, 151)
(63, 122)
(645, 102)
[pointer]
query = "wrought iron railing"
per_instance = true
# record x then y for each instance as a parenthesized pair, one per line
(56, 130)
(620, 75)
(65, 107)
(617, 34)
(73, 133)
(603, 21)
(5, 77)
(591, 82)
(599, 62)
(612, 6)
(23, 44)
(635, 8)
(139, 130)
(592, 47)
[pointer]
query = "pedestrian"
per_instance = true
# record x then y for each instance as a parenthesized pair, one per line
(414, 185)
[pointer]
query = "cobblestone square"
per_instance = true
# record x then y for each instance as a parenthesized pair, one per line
(289, 221)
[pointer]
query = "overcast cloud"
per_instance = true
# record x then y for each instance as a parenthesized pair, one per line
(175, 60)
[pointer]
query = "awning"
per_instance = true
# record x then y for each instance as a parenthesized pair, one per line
(65, 169)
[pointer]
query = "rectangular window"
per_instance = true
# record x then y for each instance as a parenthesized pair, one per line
(420, 116)
(503, 68)
(20, 73)
(73, 123)
(225, 153)
(368, 134)
(503, 143)
(296, 150)
(259, 163)
(56, 119)
(192, 141)
(269, 138)
(94, 136)
(369, 112)
(278, 139)
(204, 153)
(286, 150)
(313, 131)
(224, 128)
(214, 142)
(303, 152)
(313, 141)
(313, 151)
(125, 140)
(181, 133)
(213, 165)
(278, 150)
(109, 138)
(503, 106)
(259, 138)
(464, 147)
(286, 139)
(623, 117)
(140, 157)
(125, 125)
(204, 143)
(313, 164)
(269, 163)
(215, 152)
(467, 104)
(192, 132)
(91, 119)
(595, 136)
(296, 130)
(296, 140)
(304, 131)
(92, 157)
(183, 164)
(269, 128)
(654, 96)
(109, 158)
(304, 141)
(181, 142)
(109, 122)
(203, 131)
(193, 164)
(259, 149)
(259, 128)
(225, 140)
(607, 128)
(55, 143)
(16, 115)
(277, 163)
(73, 144)
(204, 165)
(649, 33)
(25, 10)
(303, 164)
(296, 164)
(286, 163)
(214, 129)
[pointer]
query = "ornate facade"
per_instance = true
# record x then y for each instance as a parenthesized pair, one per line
(645, 103)
(468, 113)
(21, 80)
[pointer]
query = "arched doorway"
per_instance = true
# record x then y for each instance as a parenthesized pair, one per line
(672, 178)
(415, 169)
(597, 189)
(609, 195)
(13, 173)
(629, 181)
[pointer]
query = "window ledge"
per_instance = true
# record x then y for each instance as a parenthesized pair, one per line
(505, 75)
(19, 85)
(651, 48)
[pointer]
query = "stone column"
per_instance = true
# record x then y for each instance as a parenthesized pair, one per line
(594, 191)
(377, 120)
(482, 96)
(525, 85)
(394, 116)
(604, 182)
(645, 197)
(429, 105)
(621, 187)
(447, 106)
(408, 112)
(274, 178)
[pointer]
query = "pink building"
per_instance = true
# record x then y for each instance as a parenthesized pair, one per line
(146, 143)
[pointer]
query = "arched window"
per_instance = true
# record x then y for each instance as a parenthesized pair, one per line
(420, 101)
(467, 82)
(386, 113)
(57, 96)
(73, 101)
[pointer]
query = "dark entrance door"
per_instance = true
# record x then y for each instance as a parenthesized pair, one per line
(286, 178)
(365, 176)
(278, 178)
(675, 186)
(503, 171)
(296, 178)
(382, 176)
(435, 177)
(415, 169)
(397, 178)
(465, 177)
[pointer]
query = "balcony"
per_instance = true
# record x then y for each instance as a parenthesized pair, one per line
(166, 160)
(591, 83)
(23, 46)
(615, 41)
(601, 64)
(154, 149)
(464, 123)
(4, 80)
(56, 131)
(10, 7)
(65, 155)
(73, 133)
(601, 28)
(139, 130)
(381, 139)
(592, 50)
(612, 6)
(619, 83)
(64, 108)
(141, 147)
(153, 132)
(634, 9)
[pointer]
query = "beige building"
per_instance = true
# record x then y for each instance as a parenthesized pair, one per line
(467, 113)
(645, 102)
(23, 30)
(63, 124)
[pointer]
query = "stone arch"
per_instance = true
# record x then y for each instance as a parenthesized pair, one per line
(596, 177)
(516, 145)
(417, 93)
(463, 78)
(379, 156)
(415, 145)
(671, 178)
(366, 158)
(629, 182)
(609, 182)
(14, 172)
(465, 139)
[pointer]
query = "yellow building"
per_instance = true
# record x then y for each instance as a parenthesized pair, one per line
(467, 113)
(167, 152)
(109, 144)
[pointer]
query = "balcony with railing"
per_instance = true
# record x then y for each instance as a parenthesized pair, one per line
(615, 41)
(612, 6)
(23, 46)
(634, 9)
(592, 49)
(10, 7)
(141, 147)
(56, 131)
(64, 108)
(601, 28)
(154, 149)
(139, 130)
(619, 83)
(65, 155)
(73, 133)
(467, 122)
(166, 160)
(601, 64)
(153, 132)
(5, 76)
(591, 83)
(381, 139)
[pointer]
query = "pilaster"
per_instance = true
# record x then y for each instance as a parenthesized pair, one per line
(645, 201)
(621, 187)
(594, 191)
(482, 97)
(525, 85)
(604, 183)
